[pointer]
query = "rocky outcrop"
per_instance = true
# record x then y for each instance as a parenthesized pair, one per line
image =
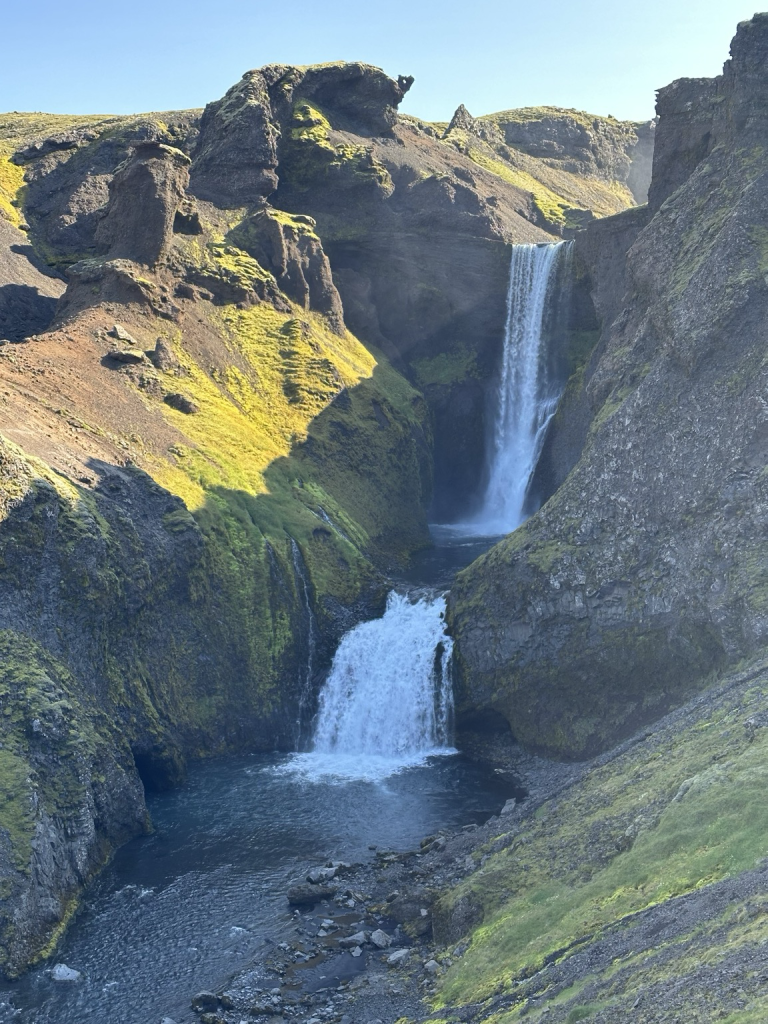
(288, 247)
(145, 196)
(639, 578)
(236, 153)
(67, 174)
(236, 156)
(599, 147)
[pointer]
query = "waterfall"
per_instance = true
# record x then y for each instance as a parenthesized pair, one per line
(388, 700)
(527, 399)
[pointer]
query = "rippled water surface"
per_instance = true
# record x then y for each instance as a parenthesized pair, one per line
(180, 910)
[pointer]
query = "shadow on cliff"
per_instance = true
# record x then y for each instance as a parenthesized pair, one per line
(24, 311)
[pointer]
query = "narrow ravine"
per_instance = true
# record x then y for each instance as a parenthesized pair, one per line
(197, 901)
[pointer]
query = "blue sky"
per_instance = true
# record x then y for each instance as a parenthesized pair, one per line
(602, 56)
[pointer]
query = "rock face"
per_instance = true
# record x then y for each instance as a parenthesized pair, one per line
(236, 154)
(598, 147)
(145, 195)
(289, 248)
(29, 291)
(641, 576)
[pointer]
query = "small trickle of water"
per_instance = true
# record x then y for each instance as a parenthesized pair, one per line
(388, 701)
(306, 599)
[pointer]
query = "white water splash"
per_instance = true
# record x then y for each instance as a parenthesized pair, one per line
(388, 701)
(527, 401)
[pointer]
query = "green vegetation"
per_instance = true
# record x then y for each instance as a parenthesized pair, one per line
(44, 720)
(11, 186)
(312, 157)
(553, 208)
(446, 367)
(670, 816)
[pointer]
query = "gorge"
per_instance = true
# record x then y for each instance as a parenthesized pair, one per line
(249, 355)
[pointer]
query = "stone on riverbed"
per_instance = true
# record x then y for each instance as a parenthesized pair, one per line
(308, 895)
(319, 875)
(398, 958)
(380, 939)
(63, 973)
(204, 1002)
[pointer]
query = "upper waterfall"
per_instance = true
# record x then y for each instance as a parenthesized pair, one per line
(526, 398)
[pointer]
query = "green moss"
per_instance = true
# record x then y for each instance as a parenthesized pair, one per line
(16, 800)
(11, 191)
(583, 1012)
(310, 158)
(666, 818)
(553, 208)
(523, 115)
(446, 367)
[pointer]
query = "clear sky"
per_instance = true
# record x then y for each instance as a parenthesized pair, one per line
(603, 56)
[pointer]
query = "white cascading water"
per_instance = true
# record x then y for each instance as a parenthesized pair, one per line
(388, 701)
(526, 405)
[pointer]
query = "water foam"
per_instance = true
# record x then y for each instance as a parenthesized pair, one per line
(388, 701)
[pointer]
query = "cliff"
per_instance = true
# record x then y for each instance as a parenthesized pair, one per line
(640, 578)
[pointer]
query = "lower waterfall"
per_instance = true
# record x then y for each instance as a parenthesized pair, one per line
(388, 701)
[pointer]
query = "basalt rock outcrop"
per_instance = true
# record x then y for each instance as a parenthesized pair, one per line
(642, 576)
(146, 194)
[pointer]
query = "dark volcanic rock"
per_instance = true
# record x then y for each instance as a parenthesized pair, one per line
(68, 184)
(288, 247)
(308, 895)
(236, 155)
(144, 197)
(643, 574)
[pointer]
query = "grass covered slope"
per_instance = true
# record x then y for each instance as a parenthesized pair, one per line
(573, 165)
(639, 892)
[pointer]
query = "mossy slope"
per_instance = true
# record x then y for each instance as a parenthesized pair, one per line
(215, 520)
(636, 891)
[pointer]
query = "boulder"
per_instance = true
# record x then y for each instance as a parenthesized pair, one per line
(181, 403)
(61, 972)
(127, 355)
(308, 895)
(205, 1002)
(319, 875)
(121, 334)
(163, 357)
(380, 939)
(398, 958)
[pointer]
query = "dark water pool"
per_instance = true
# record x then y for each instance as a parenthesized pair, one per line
(182, 909)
